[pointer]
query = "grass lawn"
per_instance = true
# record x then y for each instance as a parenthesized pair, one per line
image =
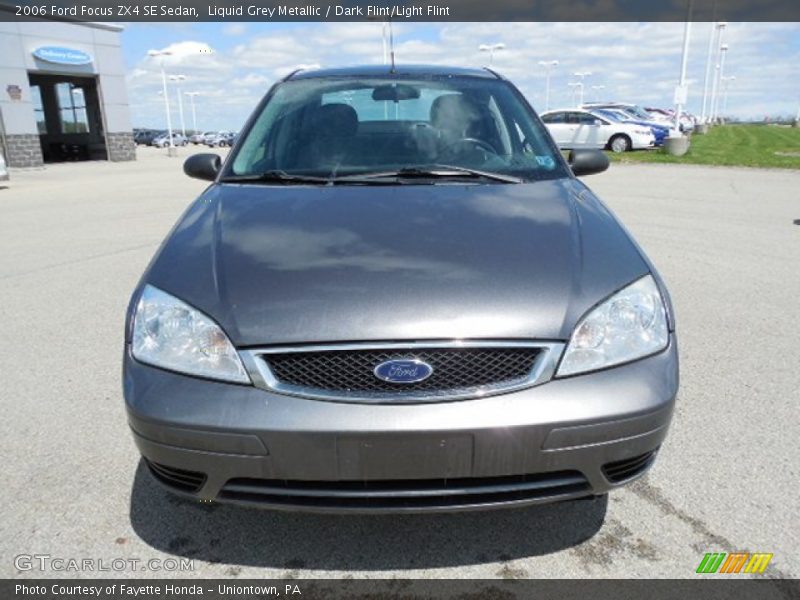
(732, 145)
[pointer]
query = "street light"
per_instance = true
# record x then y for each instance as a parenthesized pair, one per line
(161, 54)
(491, 49)
(715, 83)
(596, 89)
(548, 65)
(178, 79)
(709, 61)
(725, 83)
(582, 75)
(723, 51)
(576, 85)
(194, 113)
(681, 92)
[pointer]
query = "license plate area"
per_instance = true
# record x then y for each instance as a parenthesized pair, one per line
(403, 456)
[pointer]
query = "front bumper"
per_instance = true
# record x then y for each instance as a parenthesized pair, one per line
(642, 142)
(572, 437)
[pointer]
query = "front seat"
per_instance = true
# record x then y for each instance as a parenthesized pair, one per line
(453, 116)
(457, 117)
(331, 130)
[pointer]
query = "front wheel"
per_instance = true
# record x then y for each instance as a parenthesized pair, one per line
(619, 143)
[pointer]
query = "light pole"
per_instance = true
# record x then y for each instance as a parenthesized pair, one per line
(548, 65)
(161, 54)
(178, 79)
(723, 51)
(709, 61)
(491, 49)
(582, 75)
(725, 83)
(597, 88)
(575, 85)
(194, 113)
(681, 91)
(715, 83)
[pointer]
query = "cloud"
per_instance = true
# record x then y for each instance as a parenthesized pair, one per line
(636, 62)
(234, 29)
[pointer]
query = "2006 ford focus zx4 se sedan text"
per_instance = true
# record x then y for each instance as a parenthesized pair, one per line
(395, 295)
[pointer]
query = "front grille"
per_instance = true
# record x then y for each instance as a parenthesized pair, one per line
(621, 470)
(453, 368)
(186, 481)
(406, 494)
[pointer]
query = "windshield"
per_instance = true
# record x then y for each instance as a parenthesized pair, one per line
(338, 127)
(639, 112)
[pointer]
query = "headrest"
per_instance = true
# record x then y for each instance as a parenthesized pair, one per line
(453, 111)
(335, 120)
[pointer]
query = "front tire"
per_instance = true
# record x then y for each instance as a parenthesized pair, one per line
(619, 143)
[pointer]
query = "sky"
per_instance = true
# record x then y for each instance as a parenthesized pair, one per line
(633, 62)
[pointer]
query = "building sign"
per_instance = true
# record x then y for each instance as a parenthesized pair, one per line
(62, 56)
(14, 92)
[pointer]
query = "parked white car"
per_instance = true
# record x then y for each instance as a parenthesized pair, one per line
(573, 128)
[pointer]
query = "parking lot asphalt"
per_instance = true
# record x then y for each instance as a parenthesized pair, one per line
(74, 239)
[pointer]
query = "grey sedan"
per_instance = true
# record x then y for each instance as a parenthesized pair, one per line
(395, 295)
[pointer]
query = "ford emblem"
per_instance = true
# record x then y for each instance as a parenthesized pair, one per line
(405, 370)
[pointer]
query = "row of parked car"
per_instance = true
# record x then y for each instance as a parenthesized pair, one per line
(214, 138)
(614, 126)
(160, 139)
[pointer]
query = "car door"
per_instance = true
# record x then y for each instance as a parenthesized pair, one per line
(557, 127)
(579, 129)
(593, 131)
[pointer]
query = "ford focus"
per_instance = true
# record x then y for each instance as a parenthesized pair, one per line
(396, 295)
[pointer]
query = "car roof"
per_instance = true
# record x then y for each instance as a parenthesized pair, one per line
(608, 104)
(573, 109)
(399, 71)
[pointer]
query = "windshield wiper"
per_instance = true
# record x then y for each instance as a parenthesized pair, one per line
(435, 171)
(274, 176)
(278, 176)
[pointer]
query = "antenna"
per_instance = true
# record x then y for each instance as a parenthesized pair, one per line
(391, 44)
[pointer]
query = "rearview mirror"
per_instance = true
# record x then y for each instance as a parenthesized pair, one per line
(203, 166)
(395, 92)
(587, 162)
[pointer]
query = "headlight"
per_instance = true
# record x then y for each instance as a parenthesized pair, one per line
(169, 333)
(631, 324)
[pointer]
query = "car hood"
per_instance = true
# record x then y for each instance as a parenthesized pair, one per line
(651, 124)
(285, 264)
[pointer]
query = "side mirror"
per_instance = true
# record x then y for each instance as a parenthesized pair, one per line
(203, 166)
(587, 162)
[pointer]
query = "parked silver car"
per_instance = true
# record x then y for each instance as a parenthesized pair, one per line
(163, 140)
(395, 295)
(219, 139)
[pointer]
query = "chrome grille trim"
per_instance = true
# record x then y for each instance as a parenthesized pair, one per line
(542, 371)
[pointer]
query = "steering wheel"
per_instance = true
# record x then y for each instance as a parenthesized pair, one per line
(455, 147)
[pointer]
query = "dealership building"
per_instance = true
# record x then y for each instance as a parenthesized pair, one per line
(62, 93)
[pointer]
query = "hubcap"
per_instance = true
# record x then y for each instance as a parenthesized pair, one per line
(618, 145)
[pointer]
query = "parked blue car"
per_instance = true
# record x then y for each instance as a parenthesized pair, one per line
(659, 132)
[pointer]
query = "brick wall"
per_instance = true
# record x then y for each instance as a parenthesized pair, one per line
(120, 146)
(24, 150)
